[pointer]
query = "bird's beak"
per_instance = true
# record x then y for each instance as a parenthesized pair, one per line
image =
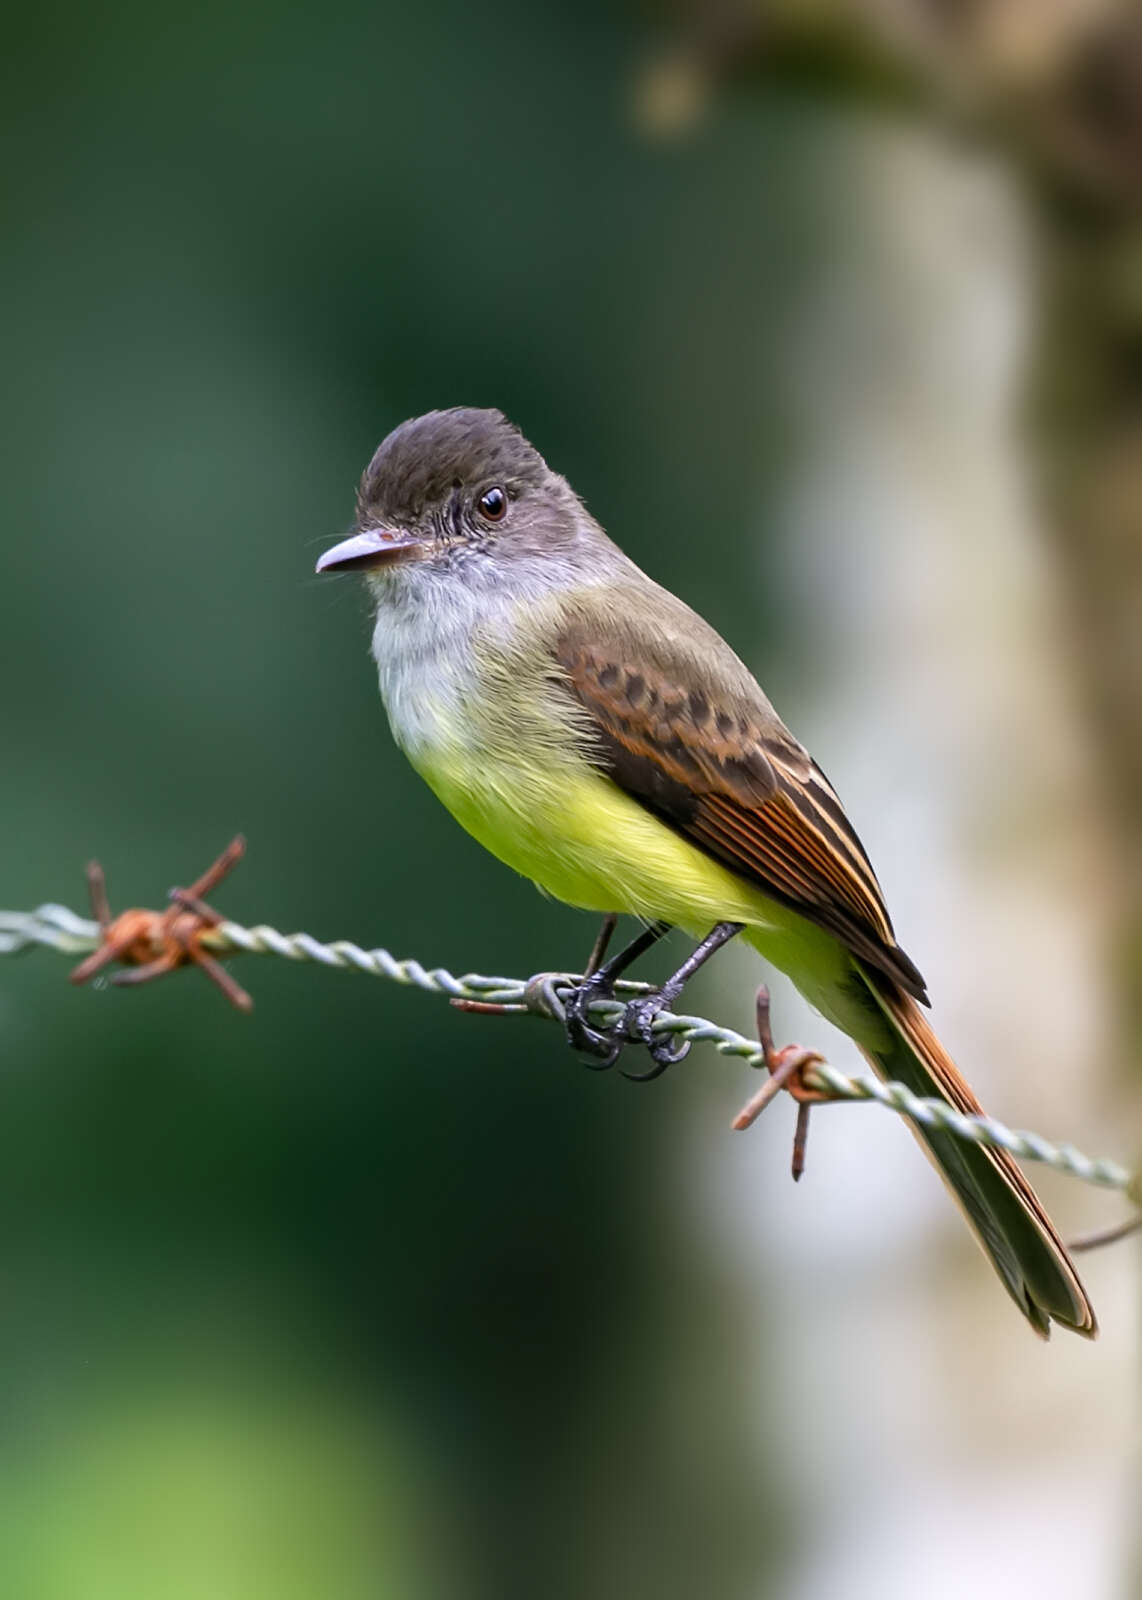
(373, 547)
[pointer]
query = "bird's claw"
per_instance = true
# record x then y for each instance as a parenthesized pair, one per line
(638, 1026)
(604, 1047)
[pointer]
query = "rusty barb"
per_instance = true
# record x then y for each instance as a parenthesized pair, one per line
(152, 943)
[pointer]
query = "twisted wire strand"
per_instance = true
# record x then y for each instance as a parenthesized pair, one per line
(55, 927)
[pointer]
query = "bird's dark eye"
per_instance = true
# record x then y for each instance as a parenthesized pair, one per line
(493, 505)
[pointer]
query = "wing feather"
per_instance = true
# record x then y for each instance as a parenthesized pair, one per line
(718, 765)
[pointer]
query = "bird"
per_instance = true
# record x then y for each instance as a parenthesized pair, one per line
(602, 739)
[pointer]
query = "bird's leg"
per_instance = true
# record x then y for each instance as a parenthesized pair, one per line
(602, 942)
(786, 1070)
(638, 1019)
(599, 984)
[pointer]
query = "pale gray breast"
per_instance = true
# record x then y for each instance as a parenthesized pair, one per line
(434, 626)
(422, 644)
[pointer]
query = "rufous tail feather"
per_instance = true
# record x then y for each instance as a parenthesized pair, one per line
(1001, 1207)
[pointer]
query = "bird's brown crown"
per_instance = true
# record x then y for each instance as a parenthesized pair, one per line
(425, 462)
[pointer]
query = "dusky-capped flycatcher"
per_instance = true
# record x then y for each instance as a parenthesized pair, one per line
(595, 734)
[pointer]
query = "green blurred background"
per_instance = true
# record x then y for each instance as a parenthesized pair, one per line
(358, 1296)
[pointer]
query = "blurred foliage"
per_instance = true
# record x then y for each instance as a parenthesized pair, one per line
(213, 1492)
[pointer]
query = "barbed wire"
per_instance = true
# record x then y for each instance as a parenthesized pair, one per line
(55, 927)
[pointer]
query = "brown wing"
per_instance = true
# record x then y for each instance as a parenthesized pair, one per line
(729, 776)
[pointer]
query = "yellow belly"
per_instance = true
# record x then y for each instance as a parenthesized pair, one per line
(584, 841)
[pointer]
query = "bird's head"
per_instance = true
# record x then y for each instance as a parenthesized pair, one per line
(451, 487)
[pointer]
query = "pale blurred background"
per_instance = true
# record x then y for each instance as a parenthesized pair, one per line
(832, 314)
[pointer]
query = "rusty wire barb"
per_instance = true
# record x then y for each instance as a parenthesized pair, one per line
(191, 933)
(152, 943)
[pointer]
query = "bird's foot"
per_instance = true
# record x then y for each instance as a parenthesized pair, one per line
(603, 1045)
(635, 1026)
(638, 1026)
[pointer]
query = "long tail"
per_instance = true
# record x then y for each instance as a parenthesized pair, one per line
(1003, 1210)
